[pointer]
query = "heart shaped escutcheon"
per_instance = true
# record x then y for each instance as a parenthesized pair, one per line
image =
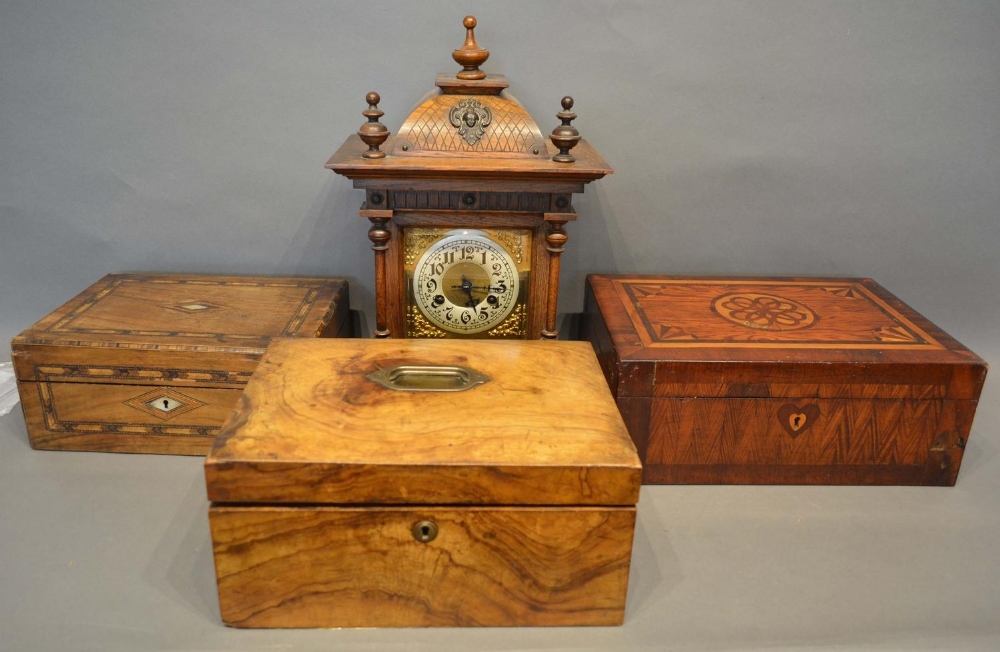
(795, 419)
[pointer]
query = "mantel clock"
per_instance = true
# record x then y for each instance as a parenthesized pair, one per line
(467, 204)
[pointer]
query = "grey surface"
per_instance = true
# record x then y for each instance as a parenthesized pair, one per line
(813, 138)
(112, 552)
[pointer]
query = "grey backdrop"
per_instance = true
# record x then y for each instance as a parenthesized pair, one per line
(747, 137)
(788, 138)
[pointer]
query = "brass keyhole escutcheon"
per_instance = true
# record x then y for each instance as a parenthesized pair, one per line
(424, 531)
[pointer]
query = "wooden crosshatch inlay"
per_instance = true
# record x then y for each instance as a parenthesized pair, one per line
(760, 313)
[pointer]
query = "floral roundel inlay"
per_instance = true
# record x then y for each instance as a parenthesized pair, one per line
(763, 311)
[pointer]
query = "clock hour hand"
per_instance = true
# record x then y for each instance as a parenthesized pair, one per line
(466, 287)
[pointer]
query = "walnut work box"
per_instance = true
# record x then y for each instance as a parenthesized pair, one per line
(414, 483)
(782, 381)
(143, 363)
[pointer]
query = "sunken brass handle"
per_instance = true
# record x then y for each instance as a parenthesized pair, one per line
(428, 378)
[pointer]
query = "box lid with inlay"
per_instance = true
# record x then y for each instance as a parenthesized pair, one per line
(704, 336)
(175, 329)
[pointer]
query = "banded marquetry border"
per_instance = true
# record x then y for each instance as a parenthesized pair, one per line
(904, 334)
(292, 327)
(47, 372)
(54, 424)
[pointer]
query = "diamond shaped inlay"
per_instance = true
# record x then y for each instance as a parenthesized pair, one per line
(192, 306)
(164, 403)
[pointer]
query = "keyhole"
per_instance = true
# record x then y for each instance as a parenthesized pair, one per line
(424, 531)
(797, 422)
(166, 404)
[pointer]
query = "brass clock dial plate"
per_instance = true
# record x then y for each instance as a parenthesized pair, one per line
(466, 283)
(480, 276)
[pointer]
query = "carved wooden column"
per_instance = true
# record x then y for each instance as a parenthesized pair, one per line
(379, 235)
(555, 242)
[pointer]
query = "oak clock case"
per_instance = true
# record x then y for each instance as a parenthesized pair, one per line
(468, 162)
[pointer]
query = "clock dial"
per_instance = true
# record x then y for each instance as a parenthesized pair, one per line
(466, 283)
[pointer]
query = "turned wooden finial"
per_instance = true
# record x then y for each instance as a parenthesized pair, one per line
(470, 56)
(373, 132)
(565, 136)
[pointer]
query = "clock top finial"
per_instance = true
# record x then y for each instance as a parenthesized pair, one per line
(470, 56)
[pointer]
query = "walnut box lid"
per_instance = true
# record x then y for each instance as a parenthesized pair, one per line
(175, 329)
(759, 337)
(312, 427)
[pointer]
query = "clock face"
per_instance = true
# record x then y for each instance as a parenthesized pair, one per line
(466, 283)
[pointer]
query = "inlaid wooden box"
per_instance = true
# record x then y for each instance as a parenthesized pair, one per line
(782, 381)
(153, 363)
(338, 501)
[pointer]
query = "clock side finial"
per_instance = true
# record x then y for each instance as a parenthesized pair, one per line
(565, 136)
(470, 56)
(373, 132)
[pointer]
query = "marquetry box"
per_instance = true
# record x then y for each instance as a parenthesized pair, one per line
(782, 381)
(415, 483)
(144, 363)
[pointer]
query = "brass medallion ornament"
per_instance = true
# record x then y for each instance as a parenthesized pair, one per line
(471, 118)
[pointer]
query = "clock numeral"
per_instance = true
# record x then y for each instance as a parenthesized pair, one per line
(448, 311)
(483, 313)
(467, 316)
(501, 287)
(431, 285)
(449, 257)
(437, 269)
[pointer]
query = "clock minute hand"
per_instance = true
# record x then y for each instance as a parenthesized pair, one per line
(477, 287)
